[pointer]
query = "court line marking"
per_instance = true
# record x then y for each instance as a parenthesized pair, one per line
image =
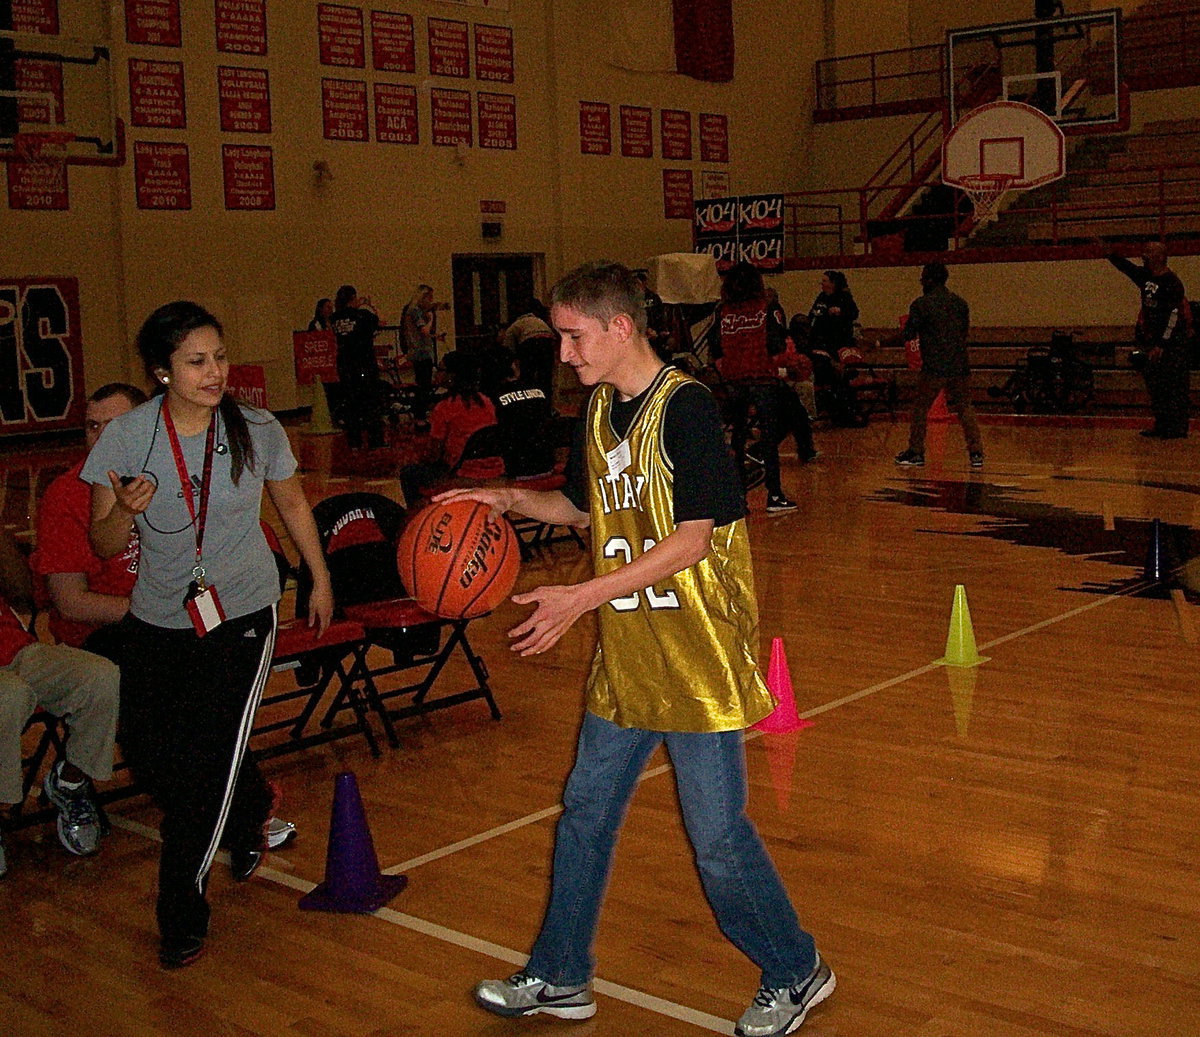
(629, 995)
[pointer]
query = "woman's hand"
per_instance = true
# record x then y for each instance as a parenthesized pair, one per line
(320, 607)
(133, 497)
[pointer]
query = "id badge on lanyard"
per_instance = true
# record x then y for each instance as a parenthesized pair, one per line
(201, 601)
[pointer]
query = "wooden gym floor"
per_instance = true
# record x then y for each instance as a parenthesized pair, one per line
(1007, 850)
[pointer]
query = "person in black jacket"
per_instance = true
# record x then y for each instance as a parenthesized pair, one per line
(830, 330)
(1164, 328)
(354, 322)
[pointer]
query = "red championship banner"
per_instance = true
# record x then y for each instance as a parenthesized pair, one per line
(162, 175)
(451, 110)
(344, 109)
(154, 22)
(637, 137)
(497, 121)
(249, 176)
(156, 95)
(714, 138)
(448, 53)
(676, 131)
(678, 194)
(241, 26)
(494, 53)
(396, 114)
(245, 95)
(340, 36)
(393, 42)
(37, 185)
(35, 16)
(595, 128)
(41, 355)
(43, 77)
(315, 353)
(248, 383)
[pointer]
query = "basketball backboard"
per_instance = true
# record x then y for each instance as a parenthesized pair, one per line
(1068, 67)
(62, 87)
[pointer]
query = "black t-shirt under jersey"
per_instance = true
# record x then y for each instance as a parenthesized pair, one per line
(706, 481)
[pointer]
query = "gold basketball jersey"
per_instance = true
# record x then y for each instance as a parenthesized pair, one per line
(678, 656)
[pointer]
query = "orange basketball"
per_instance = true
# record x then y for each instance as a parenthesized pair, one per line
(456, 560)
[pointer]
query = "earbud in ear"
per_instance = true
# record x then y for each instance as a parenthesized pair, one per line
(166, 379)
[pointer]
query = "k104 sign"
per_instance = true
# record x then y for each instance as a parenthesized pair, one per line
(745, 228)
(41, 355)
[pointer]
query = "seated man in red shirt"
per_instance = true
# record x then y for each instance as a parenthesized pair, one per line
(78, 686)
(89, 595)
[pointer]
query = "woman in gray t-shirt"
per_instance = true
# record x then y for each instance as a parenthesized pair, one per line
(189, 469)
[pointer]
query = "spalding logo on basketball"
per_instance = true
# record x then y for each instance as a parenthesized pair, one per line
(456, 560)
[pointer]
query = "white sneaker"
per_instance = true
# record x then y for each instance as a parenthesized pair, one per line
(78, 820)
(523, 994)
(779, 1011)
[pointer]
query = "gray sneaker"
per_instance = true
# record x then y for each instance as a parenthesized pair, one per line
(523, 994)
(78, 821)
(782, 1010)
(279, 832)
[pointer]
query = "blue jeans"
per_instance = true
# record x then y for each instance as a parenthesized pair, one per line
(740, 882)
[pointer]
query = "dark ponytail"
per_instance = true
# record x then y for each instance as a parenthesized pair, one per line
(161, 334)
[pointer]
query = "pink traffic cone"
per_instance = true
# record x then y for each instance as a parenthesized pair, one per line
(779, 683)
(353, 881)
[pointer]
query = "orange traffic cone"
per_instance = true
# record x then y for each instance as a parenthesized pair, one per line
(779, 682)
(939, 411)
(353, 882)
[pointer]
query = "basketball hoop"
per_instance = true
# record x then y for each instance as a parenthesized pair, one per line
(986, 190)
(46, 151)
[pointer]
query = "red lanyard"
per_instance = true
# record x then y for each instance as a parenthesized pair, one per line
(185, 483)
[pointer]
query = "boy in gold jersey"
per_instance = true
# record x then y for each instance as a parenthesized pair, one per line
(674, 590)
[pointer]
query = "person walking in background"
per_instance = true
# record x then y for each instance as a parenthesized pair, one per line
(940, 321)
(189, 469)
(355, 322)
(678, 632)
(1163, 333)
(419, 341)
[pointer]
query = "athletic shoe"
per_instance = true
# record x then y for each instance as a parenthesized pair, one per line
(279, 833)
(910, 459)
(976, 459)
(777, 504)
(778, 1011)
(3, 858)
(78, 822)
(179, 951)
(523, 994)
(244, 863)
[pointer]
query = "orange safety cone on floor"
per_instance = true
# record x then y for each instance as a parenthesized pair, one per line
(353, 882)
(960, 641)
(779, 683)
(939, 411)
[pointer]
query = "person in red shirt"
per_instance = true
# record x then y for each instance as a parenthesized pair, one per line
(81, 687)
(88, 594)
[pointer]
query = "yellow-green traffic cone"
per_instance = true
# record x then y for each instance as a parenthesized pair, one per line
(960, 642)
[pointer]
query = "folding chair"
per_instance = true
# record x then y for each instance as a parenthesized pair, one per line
(316, 663)
(533, 534)
(358, 533)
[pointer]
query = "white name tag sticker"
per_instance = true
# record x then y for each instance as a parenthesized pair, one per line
(618, 458)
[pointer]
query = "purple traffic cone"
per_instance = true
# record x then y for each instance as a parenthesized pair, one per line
(353, 882)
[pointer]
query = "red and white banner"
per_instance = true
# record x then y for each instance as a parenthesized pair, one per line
(714, 138)
(393, 42)
(41, 355)
(43, 77)
(448, 53)
(637, 136)
(678, 194)
(241, 26)
(494, 53)
(249, 176)
(162, 175)
(340, 36)
(675, 128)
(315, 353)
(497, 121)
(595, 128)
(245, 95)
(248, 383)
(396, 114)
(344, 109)
(154, 22)
(451, 111)
(37, 185)
(156, 94)
(35, 16)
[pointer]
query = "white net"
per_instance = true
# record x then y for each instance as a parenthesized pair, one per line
(986, 191)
